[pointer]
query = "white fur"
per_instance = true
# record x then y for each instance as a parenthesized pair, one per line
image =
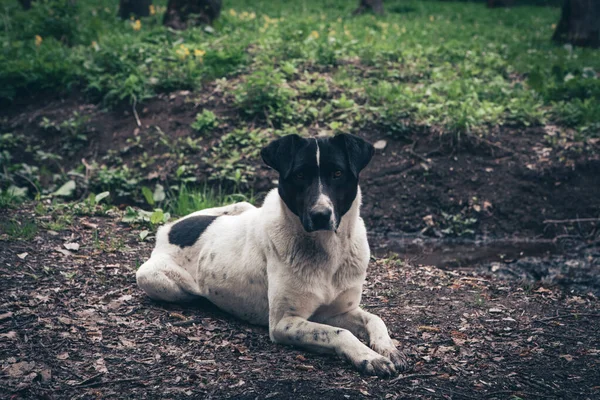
(260, 265)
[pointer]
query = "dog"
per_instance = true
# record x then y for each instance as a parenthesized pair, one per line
(297, 264)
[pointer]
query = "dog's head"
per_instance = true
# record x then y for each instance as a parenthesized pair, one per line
(318, 177)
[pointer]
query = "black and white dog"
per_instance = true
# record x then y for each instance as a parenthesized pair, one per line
(297, 264)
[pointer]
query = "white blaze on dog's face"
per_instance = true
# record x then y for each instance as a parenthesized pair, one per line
(318, 177)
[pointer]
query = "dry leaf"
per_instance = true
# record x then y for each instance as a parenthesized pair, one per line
(71, 246)
(6, 315)
(100, 366)
(429, 328)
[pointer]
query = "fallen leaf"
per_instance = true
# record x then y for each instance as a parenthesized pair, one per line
(46, 375)
(305, 367)
(19, 369)
(567, 357)
(62, 356)
(428, 328)
(22, 255)
(6, 315)
(126, 343)
(495, 310)
(380, 144)
(71, 246)
(65, 252)
(9, 335)
(100, 366)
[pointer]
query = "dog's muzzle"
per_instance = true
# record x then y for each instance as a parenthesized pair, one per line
(319, 219)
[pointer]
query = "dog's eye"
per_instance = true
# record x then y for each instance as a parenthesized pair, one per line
(337, 174)
(299, 176)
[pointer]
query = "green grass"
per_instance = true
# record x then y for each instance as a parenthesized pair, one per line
(19, 230)
(186, 201)
(459, 65)
(291, 67)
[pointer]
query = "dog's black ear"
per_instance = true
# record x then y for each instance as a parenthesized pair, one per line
(279, 154)
(359, 151)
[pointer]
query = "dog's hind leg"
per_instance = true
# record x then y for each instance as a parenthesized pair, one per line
(162, 279)
(231, 209)
(370, 327)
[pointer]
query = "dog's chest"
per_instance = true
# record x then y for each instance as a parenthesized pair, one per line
(331, 267)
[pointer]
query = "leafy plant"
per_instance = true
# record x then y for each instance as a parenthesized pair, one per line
(265, 94)
(458, 224)
(205, 121)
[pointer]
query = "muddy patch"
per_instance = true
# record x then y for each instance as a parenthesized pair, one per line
(573, 268)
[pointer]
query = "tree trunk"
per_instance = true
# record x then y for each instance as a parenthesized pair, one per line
(499, 3)
(374, 5)
(26, 4)
(137, 8)
(579, 23)
(181, 13)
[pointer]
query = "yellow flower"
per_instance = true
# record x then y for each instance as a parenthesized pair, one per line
(152, 9)
(137, 25)
(232, 12)
(182, 51)
(553, 26)
(332, 33)
(199, 53)
(252, 15)
(431, 18)
(38, 40)
(314, 34)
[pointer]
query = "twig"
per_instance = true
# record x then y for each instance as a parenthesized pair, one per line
(135, 114)
(90, 379)
(412, 152)
(567, 315)
(491, 143)
(93, 384)
(187, 323)
(28, 180)
(571, 221)
(410, 376)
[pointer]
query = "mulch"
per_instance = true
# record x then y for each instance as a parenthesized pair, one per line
(73, 324)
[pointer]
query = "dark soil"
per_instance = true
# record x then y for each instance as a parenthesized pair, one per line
(512, 182)
(74, 325)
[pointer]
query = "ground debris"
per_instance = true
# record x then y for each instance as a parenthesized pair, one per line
(73, 329)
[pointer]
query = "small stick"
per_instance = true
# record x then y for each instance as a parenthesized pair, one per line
(401, 378)
(93, 384)
(135, 114)
(567, 315)
(571, 221)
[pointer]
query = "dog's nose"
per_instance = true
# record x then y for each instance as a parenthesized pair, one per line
(321, 219)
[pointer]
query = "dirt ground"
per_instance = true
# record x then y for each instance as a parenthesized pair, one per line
(510, 182)
(73, 324)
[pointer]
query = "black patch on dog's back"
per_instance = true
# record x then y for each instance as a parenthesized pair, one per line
(185, 233)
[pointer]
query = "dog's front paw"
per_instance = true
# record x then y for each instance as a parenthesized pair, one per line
(397, 357)
(374, 364)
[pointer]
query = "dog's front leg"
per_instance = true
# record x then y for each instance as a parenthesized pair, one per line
(370, 327)
(298, 331)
